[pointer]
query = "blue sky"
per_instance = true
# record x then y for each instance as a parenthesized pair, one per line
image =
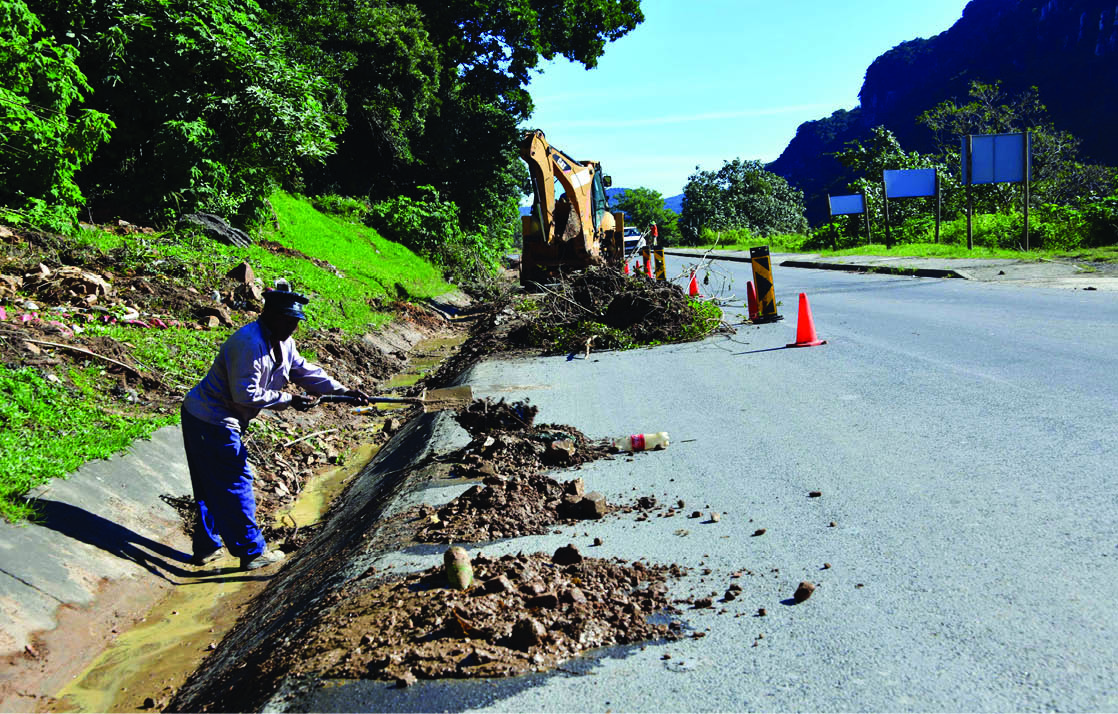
(704, 81)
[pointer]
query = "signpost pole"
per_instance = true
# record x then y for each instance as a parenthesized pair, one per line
(885, 197)
(1025, 146)
(939, 205)
(866, 216)
(970, 201)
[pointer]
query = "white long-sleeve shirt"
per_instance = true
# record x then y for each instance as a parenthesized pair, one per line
(247, 376)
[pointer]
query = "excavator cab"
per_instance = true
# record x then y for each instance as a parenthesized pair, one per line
(571, 231)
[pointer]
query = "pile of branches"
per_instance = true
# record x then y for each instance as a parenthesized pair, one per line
(600, 308)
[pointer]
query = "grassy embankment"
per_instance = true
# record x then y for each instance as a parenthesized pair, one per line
(53, 421)
(953, 244)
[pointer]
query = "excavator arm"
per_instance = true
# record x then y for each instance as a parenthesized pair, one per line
(565, 232)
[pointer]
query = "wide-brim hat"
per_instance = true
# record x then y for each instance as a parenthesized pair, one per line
(283, 302)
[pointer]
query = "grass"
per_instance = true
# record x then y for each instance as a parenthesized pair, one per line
(49, 429)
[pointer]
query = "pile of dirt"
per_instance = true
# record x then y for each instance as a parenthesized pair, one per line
(524, 613)
(509, 453)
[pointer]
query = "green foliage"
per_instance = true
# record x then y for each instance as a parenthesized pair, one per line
(210, 113)
(431, 226)
(44, 138)
(742, 194)
(48, 430)
(643, 207)
(1058, 174)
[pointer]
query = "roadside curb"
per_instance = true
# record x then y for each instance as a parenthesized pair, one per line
(888, 269)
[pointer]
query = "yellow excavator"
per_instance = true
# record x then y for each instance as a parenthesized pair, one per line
(573, 231)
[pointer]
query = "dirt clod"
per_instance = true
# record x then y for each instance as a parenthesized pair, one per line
(567, 555)
(814, 494)
(803, 592)
(758, 532)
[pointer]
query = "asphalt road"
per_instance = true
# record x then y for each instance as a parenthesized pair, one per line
(962, 436)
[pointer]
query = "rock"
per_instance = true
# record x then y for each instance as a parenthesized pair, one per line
(814, 494)
(761, 612)
(704, 602)
(680, 503)
(597, 541)
(759, 531)
(546, 601)
(574, 595)
(803, 592)
(219, 312)
(715, 516)
(560, 451)
(149, 703)
(9, 284)
(526, 634)
(459, 571)
(575, 487)
(826, 566)
(32, 348)
(696, 514)
(210, 322)
(406, 679)
(242, 274)
(215, 228)
(646, 503)
(566, 555)
(499, 584)
(593, 505)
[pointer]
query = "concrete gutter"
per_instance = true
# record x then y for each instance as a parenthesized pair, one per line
(104, 538)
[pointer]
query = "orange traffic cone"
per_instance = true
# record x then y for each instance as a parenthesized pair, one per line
(648, 268)
(624, 267)
(805, 328)
(693, 288)
(751, 300)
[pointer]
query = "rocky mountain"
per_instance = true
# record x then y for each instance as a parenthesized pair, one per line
(1068, 49)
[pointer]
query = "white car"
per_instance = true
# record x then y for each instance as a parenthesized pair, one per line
(632, 237)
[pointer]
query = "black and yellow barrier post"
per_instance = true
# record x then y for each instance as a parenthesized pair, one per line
(661, 266)
(763, 282)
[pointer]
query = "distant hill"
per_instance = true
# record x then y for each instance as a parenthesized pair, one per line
(1068, 49)
(672, 203)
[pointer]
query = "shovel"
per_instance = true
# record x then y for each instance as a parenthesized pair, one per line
(435, 400)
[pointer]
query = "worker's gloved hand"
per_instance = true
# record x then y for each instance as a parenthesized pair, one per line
(302, 402)
(358, 396)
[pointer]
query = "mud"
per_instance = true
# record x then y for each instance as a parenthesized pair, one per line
(509, 454)
(524, 613)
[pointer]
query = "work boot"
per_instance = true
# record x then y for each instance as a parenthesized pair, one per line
(201, 559)
(252, 562)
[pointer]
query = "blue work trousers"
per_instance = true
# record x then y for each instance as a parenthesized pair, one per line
(222, 483)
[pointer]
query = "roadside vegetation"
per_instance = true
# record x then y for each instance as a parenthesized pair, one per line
(60, 408)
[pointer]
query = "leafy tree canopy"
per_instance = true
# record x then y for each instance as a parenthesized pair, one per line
(742, 194)
(645, 206)
(46, 138)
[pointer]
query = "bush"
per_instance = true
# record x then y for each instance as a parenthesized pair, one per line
(430, 226)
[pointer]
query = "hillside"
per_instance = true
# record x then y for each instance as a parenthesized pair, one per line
(1067, 49)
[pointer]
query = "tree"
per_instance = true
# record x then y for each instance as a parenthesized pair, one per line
(742, 194)
(210, 113)
(45, 138)
(643, 207)
(882, 152)
(1059, 176)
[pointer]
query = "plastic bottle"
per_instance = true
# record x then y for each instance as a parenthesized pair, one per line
(642, 442)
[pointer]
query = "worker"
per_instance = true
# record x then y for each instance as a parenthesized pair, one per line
(250, 369)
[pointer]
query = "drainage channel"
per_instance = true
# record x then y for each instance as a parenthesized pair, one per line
(144, 667)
